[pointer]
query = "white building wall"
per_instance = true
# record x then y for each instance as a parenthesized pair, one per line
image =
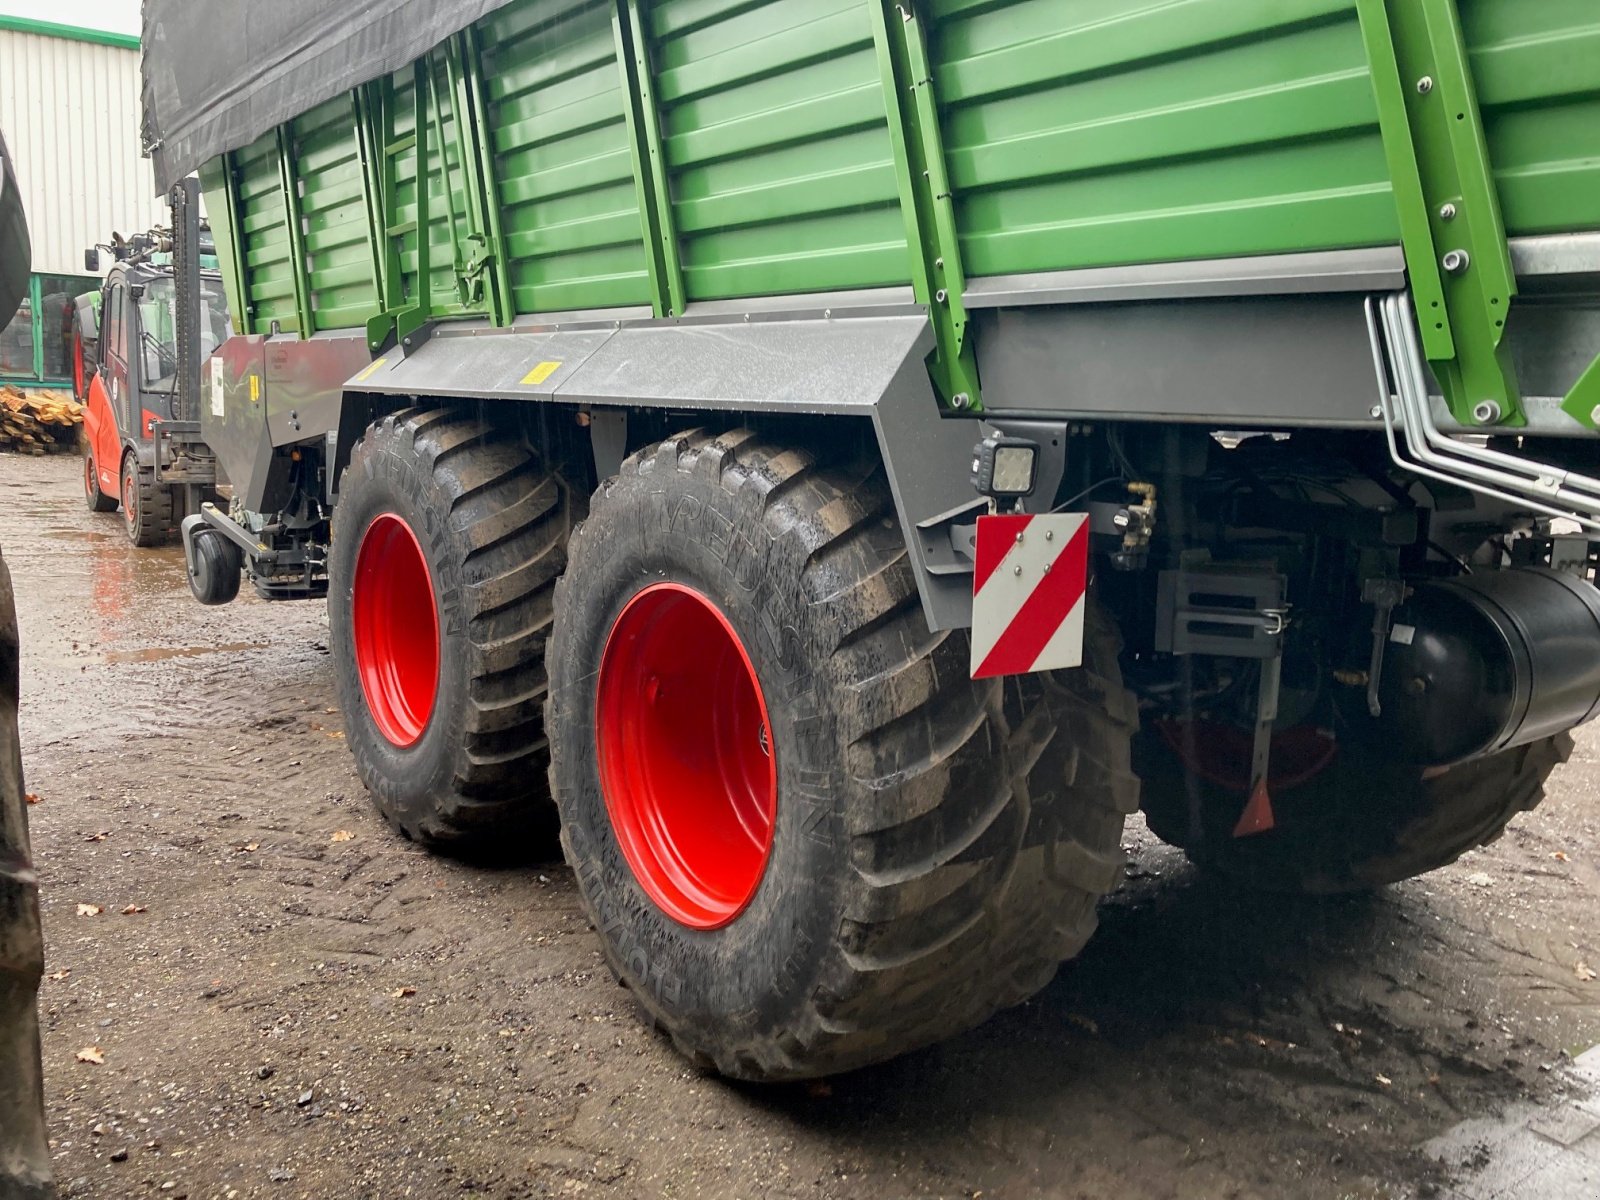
(70, 113)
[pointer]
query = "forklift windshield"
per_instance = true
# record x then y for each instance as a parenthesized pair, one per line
(158, 329)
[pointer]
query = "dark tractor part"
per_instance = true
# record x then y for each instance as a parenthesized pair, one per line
(449, 540)
(1485, 662)
(24, 1154)
(147, 514)
(1360, 822)
(97, 500)
(808, 839)
(216, 566)
(1483, 675)
(84, 319)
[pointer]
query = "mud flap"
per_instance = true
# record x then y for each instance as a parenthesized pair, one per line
(24, 1155)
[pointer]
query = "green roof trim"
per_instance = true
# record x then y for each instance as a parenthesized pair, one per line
(72, 33)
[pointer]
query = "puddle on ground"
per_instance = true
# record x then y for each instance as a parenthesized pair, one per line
(162, 653)
(83, 535)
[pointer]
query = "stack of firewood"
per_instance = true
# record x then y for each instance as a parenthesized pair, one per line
(38, 422)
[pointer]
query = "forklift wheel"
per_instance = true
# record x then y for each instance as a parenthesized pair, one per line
(146, 505)
(215, 564)
(97, 500)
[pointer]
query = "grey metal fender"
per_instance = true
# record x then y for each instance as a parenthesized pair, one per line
(867, 367)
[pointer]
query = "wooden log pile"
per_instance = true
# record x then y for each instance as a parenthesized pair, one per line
(41, 421)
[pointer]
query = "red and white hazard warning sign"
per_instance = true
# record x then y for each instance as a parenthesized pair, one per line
(1028, 593)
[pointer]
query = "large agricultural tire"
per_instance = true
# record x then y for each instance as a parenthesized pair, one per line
(97, 500)
(146, 505)
(446, 548)
(24, 1150)
(1359, 824)
(809, 841)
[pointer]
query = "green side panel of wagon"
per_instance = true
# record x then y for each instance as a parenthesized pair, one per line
(562, 157)
(1095, 134)
(776, 145)
(338, 235)
(635, 152)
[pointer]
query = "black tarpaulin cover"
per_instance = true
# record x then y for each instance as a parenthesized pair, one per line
(217, 74)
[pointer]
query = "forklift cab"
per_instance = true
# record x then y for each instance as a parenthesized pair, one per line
(133, 397)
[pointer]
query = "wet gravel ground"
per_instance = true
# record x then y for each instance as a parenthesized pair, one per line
(290, 1001)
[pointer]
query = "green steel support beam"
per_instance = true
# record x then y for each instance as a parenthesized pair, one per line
(1450, 224)
(409, 319)
(221, 175)
(459, 237)
(368, 148)
(1583, 401)
(296, 228)
(937, 277)
(36, 319)
(649, 160)
(472, 108)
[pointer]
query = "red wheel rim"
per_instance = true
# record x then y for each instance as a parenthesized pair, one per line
(395, 628)
(91, 481)
(130, 495)
(687, 766)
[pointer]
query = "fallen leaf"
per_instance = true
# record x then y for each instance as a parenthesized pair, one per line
(1584, 972)
(1383, 1080)
(342, 835)
(98, 837)
(1560, 856)
(61, 974)
(89, 910)
(33, 798)
(247, 848)
(91, 1054)
(401, 993)
(132, 909)
(337, 733)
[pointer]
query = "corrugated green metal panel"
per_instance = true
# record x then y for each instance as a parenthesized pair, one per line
(1098, 132)
(1536, 64)
(214, 187)
(343, 291)
(777, 145)
(267, 257)
(569, 205)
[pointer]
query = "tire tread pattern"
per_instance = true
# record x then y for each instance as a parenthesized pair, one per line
(982, 832)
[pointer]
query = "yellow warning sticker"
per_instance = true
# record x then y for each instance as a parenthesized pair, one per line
(370, 371)
(255, 389)
(540, 373)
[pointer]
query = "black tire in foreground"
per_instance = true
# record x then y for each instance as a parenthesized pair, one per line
(146, 506)
(1361, 823)
(97, 500)
(449, 538)
(899, 850)
(216, 567)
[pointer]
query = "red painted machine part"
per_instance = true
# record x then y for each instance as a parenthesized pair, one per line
(100, 428)
(395, 630)
(687, 766)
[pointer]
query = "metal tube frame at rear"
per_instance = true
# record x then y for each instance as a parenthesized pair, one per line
(1429, 452)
